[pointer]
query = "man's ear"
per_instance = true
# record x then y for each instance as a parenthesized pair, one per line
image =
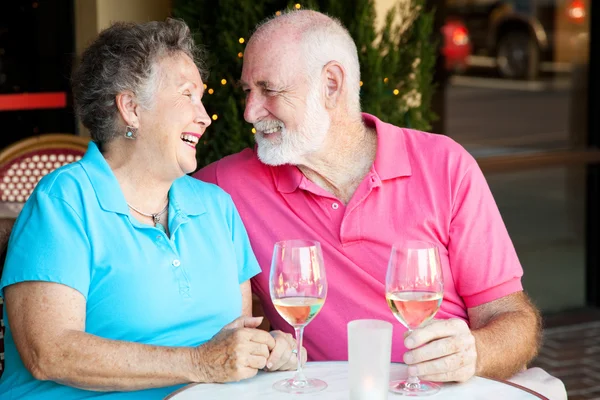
(128, 108)
(334, 76)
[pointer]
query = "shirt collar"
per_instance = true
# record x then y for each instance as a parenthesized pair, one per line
(391, 160)
(288, 178)
(105, 184)
(183, 195)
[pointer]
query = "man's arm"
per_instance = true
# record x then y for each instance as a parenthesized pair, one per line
(504, 337)
(507, 335)
(503, 330)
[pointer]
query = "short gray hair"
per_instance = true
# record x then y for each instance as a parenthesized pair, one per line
(323, 39)
(124, 57)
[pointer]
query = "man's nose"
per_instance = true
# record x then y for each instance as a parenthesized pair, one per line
(255, 108)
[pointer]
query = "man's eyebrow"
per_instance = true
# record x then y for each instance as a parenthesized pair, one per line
(262, 84)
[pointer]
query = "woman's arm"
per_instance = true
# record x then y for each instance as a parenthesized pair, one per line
(47, 321)
(246, 290)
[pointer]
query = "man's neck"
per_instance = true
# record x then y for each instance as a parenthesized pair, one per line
(345, 160)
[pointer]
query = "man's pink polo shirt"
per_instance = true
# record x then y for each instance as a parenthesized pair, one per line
(421, 187)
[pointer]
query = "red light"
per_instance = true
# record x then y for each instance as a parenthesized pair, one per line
(32, 101)
(576, 11)
(460, 36)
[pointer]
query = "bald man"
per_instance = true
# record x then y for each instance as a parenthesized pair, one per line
(323, 170)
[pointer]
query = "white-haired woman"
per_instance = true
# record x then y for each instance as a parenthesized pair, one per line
(123, 274)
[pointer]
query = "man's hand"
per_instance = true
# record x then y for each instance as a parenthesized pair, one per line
(237, 352)
(283, 355)
(442, 351)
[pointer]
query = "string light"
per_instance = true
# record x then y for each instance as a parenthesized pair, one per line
(385, 80)
(205, 86)
(360, 83)
(298, 6)
(278, 13)
(253, 130)
(241, 40)
(210, 91)
(396, 92)
(223, 81)
(240, 54)
(214, 117)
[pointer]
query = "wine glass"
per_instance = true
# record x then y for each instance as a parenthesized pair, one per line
(298, 289)
(414, 289)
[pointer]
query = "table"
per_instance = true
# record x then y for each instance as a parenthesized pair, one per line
(335, 373)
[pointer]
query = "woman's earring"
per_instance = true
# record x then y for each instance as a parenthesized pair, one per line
(130, 132)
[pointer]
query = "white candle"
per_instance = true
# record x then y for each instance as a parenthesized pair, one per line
(369, 388)
(369, 354)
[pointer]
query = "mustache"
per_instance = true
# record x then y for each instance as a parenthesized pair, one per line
(262, 126)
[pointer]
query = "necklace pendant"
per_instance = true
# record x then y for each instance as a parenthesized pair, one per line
(156, 219)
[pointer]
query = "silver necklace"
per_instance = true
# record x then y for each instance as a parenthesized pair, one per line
(155, 217)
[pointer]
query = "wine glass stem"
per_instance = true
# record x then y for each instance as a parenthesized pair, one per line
(413, 382)
(299, 378)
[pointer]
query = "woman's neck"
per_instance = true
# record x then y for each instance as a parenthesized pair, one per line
(141, 186)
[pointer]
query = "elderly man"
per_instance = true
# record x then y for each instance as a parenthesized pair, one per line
(324, 171)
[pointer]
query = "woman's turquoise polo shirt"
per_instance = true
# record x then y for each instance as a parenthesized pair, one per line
(140, 285)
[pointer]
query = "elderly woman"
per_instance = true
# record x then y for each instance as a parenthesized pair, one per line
(123, 274)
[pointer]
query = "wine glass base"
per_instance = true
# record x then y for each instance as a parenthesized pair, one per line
(300, 387)
(424, 388)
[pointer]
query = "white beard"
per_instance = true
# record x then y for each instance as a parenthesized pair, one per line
(292, 146)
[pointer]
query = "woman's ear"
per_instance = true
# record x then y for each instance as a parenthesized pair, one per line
(128, 108)
(334, 75)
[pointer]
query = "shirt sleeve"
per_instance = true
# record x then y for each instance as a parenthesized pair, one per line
(484, 262)
(247, 263)
(208, 173)
(48, 243)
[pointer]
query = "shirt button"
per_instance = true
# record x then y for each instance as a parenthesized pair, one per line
(335, 206)
(176, 263)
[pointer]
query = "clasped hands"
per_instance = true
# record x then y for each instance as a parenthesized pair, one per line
(239, 350)
(441, 351)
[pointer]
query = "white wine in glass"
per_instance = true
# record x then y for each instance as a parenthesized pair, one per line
(413, 309)
(298, 289)
(414, 288)
(298, 311)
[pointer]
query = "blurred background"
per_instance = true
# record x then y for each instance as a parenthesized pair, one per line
(515, 85)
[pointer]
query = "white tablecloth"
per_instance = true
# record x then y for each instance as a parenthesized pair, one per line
(336, 376)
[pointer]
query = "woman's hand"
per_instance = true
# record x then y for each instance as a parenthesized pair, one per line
(237, 352)
(283, 355)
